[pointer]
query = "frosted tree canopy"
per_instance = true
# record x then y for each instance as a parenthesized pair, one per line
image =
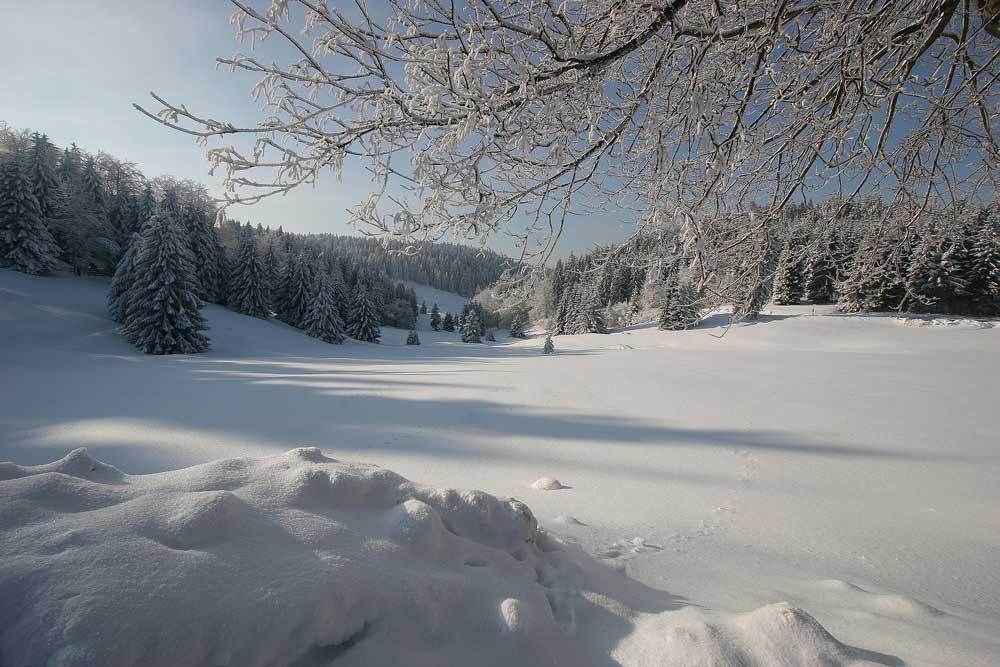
(479, 117)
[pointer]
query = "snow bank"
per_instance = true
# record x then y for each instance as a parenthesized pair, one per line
(299, 559)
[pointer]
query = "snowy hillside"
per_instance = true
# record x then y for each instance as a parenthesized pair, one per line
(843, 465)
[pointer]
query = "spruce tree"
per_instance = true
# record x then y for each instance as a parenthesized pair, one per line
(449, 322)
(412, 338)
(123, 280)
(678, 311)
(293, 296)
(199, 222)
(752, 276)
(819, 276)
(788, 277)
(517, 325)
(549, 346)
(46, 185)
(435, 318)
(471, 327)
(248, 292)
(875, 282)
(163, 307)
(26, 242)
(590, 315)
(364, 317)
(322, 318)
(272, 271)
(423, 307)
(985, 263)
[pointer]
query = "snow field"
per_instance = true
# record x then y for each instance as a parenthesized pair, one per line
(722, 471)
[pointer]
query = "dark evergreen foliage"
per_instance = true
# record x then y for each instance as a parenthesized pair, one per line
(163, 307)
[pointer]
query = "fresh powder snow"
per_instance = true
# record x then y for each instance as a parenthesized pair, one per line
(812, 489)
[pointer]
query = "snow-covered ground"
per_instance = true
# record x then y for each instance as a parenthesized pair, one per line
(845, 465)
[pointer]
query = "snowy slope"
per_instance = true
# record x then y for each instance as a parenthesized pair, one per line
(448, 302)
(846, 465)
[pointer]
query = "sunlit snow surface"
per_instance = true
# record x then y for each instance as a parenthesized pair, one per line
(844, 465)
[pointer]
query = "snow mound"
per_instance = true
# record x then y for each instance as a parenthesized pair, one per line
(300, 559)
(890, 604)
(547, 484)
(777, 635)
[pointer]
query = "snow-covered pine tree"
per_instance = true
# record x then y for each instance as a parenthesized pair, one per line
(423, 307)
(163, 306)
(25, 240)
(272, 271)
(322, 318)
(412, 338)
(47, 188)
(102, 237)
(435, 318)
(819, 275)
(223, 268)
(590, 314)
(471, 327)
(787, 277)
(561, 320)
(678, 311)
(936, 276)
(985, 262)
(517, 325)
(123, 280)
(875, 282)
(293, 296)
(549, 346)
(364, 318)
(448, 324)
(753, 287)
(248, 292)
(198, 219)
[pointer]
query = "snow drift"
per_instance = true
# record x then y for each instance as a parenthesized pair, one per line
(299, 559)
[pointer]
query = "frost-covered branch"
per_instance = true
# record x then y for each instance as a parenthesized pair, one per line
(479, 117)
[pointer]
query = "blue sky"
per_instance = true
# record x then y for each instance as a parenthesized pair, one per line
(73, 70)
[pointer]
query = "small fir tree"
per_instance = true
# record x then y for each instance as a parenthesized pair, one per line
(248, 283)
(449, 322)
(423, 307)
(517, 325)
(163, 306)
(819, 276)
(364, 318)
(549, 346)
(788, 277)
(322, 319)
(678, 311)
(412, 338)
(293, 297)
(435, 318)
(471, 327)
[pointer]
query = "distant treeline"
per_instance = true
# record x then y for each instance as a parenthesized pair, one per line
(159, 238)
(864, 256)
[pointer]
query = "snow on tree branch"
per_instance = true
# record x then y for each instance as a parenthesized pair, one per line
(479, 117)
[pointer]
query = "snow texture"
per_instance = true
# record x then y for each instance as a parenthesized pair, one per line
(845, 465)
(300, 559)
